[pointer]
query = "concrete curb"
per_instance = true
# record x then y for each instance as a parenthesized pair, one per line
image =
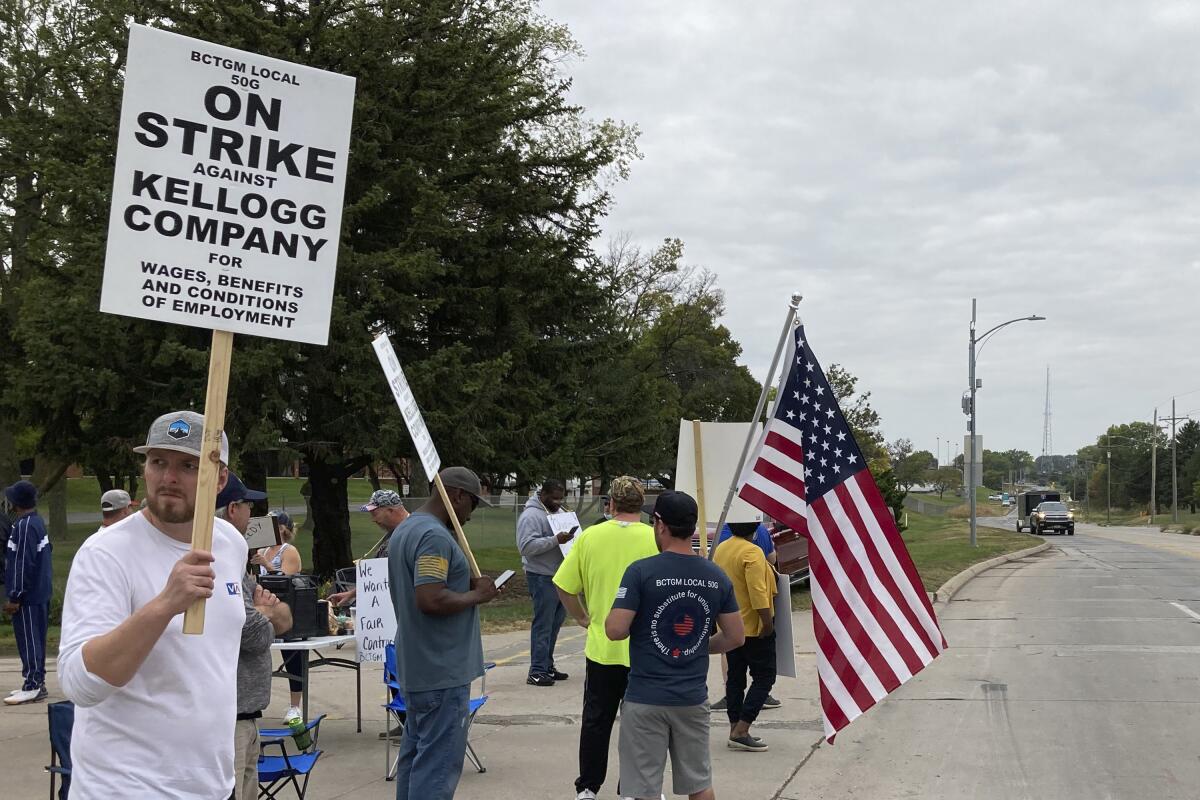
(951, 587)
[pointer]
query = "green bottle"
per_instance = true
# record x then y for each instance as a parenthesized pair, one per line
(300, 733)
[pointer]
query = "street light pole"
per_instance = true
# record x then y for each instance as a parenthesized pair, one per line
(969, 462)
(1108, 491)
(970, 468)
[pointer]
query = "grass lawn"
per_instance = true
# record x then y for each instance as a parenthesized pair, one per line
(938, 545)
(940, 548)
(83, 494)
(1098, 515)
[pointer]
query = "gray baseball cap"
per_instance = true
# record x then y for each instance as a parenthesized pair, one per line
(463, 478)
(114, 500)
(181, 431)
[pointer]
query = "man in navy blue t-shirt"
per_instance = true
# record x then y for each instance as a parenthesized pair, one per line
(676, 608)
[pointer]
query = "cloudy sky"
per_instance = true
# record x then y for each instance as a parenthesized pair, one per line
(893, 160)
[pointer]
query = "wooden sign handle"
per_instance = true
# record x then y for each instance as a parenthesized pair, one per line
(210, 460)
(458, 531)
(701, 521)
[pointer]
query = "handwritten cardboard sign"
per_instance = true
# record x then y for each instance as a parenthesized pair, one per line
(375, 624)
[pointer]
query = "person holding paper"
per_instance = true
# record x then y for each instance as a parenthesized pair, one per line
(592, 572)
(154, 707)
(541, 556)
(439, 651)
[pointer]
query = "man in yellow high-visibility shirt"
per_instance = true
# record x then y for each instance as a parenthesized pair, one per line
(754, 587)
(587, 583)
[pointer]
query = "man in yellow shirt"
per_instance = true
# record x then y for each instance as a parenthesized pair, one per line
(754, 587)
(587, 583)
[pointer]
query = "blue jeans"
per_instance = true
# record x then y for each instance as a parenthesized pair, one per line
(548, 616)
(434, 744)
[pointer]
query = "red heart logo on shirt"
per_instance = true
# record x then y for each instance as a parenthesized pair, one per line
(684, 625)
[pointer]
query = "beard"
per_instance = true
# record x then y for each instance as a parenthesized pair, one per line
(172, 509)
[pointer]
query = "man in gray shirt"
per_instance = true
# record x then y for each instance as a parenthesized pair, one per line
(541, 557)
(438, 647)
(266, 618)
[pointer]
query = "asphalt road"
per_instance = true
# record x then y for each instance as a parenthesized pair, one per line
(1070, 674)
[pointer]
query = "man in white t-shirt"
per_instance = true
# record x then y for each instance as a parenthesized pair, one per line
(155, 708)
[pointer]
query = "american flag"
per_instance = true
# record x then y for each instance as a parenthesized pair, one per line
(874, 624)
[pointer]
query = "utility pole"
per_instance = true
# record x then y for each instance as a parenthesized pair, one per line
(1173, 419)
(1108, 490)
(1174, 468)
(1154, 468)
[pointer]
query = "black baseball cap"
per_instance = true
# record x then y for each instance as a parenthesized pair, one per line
(236, 492)
(676, 509)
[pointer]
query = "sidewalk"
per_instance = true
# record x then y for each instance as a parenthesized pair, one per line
(526, 736)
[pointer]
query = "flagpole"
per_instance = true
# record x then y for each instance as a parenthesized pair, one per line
(793, 307)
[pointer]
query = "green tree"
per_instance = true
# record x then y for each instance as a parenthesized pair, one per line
(1125, 450)
(864, 421)
(912, 468)
(944, 479)
(663, 356)
(84, 382)
(893, 494)
(475, 189)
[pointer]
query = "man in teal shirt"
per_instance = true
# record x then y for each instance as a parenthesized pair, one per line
(438, 648)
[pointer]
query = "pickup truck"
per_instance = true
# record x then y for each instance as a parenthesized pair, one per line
(1052, 516)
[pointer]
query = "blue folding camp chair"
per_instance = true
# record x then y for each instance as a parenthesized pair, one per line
(61, 718)
(396, 712)
(275, 773)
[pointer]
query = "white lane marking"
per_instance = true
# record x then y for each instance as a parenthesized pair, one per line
(1186, 610)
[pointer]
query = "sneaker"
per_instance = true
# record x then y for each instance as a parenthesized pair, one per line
(540, 680)
(26, 696)
(585, 794)
(394, 733)
(771, 702)
(292, 713)
(558, 676)
(719, 705)
(751, 744)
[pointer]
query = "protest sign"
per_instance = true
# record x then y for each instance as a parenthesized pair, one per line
(375, 617)
(226, 209)
(227, 195)
(720, 443)
(260, 533)
(422, 441)
(785, 640)
(407, 403)
(564, 522)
